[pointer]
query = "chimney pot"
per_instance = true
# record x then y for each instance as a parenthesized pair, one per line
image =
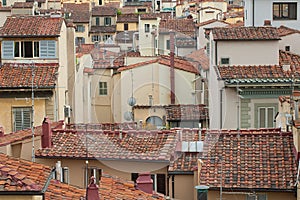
(47, 133)
(92, 192)
(267, 23)
(145, 183)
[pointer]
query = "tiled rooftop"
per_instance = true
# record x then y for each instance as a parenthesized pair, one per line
(199, 57)
(127, 18)
(19, 75)
(23, 5)
(111, 145)
(257, 159)
(103, 29)
(79, 12)
(26, 26)
(263, 74)
(183, 26)
(284, 31)
(104, 11)
(17, 175)
(245, 33)
(179, 63)
(186, 112)
(153, 16)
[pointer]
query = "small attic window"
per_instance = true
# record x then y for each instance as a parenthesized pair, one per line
(225, 61)
(287, 48)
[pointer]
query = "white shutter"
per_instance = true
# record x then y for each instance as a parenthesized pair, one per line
(8, 49)
(48, 49)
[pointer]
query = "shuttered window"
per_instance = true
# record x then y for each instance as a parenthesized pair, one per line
(21, 118)
(48, 49)
(7, 49)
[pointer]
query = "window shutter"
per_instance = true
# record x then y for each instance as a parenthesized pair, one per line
(26, 118)
(161, 183)
(48, 49)
(17, 120)
(8, 49)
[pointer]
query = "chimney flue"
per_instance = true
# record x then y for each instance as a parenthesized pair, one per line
(92, 192)
(47, 133)
(145, 183)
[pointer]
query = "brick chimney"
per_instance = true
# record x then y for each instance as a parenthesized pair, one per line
(145, 183)
(47, 133)
(267, 23)
(92, 191)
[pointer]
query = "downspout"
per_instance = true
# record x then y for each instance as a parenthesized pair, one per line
(216, 53)
(172, 72)
(221, 107)
(253, 13)
(48, 182)
(173, 186)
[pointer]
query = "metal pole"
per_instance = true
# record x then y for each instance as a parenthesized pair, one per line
(32, 112)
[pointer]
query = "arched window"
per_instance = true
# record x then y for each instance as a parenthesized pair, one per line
(154, 120)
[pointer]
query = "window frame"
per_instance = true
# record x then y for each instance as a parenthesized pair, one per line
(107, 21)
(223, 59)
(103, 89)
(147, 28)
(291, 8)
(257, 114)
(258, 196)
(23, 125)
(80, 28)
(126, 26)
(92, 171)
(96, 38)
(168, 46)
(97, 21)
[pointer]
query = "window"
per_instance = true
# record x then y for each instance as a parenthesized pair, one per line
(141, 10)
(125, 27)
(147, 28)
(97, 21)
(287, 48)
(92, 171)
(266, 117)
(106, 37)
(107, 21)
(47, 49)
(102, 88)
(284, 11)
(4, 3)
(96, 38)
(21, 118)
(224, 61)
(80, 28)
(80, 40)
(62, 174)
(155, 121)
(159, 182)
(256, 197)
(168, 44)
(100, 3)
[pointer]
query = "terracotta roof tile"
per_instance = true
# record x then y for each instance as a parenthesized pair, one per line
(23, 5)
(284, 31)
(152, 16)
(186, 112)
(103, 29)
(179, 63)
(131, 144)
(245, 33)
(104, 11)
(79, 12)
(183, 26)
(125, 18)
(27, 26)
(250, 159)
(199, 57)
(19, 75)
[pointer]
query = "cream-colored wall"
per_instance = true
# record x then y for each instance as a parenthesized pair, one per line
(215, 12)
(292, 41)
(3, 16)
(143, 114)
(84, 34)
(212, 195)
(249, 52)
(22, 11)
(62, 81)
(21, 197)
(55, 5)
(230, 106)
(183, 187)
(102, 103)
(76, 168)
(101, 20)
(6, 115)
(116, 98)
(156, 83)
(131, 26)
(146, 40)
(234, 20)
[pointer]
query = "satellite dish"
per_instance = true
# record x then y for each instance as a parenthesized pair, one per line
(131, 101)
(128, 116)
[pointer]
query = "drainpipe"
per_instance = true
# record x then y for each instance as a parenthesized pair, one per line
(221, 107)
(253, 12)
(216, 53)
(172, 72)
(173, 186)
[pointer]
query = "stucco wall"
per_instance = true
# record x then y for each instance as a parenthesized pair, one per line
(131, 26)
(146, 40)
(21, 197)
(292, 41)
(6, 114)
(183, 187)
(248, 52)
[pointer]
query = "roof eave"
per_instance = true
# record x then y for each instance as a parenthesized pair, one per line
(232, 189)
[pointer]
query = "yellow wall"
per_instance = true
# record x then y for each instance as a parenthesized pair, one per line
(131, 26)
(6, 115)
(183, 187)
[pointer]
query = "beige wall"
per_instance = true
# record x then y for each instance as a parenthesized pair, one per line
(101, 20)
(3, 16)
(146, 40)
(212, 195)
(6, 115)
(143, 114)
(183, 187)
(76, 168)
(292, 41)
(131, 26)
(22, 11)
(84, 34)
(249, 52)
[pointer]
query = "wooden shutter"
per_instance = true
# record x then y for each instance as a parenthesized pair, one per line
(48, 49)
(8, 49)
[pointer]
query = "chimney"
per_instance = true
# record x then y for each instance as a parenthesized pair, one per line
(1, 131)
(92, 191)
(267, 23)
(145, 183)
(47, 133)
